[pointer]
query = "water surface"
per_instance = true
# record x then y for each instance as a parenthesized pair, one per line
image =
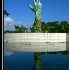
(26, 60)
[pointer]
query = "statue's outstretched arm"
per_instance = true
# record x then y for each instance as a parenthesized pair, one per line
(32, 8)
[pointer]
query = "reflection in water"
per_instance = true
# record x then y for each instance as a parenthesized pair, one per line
(36, 46)
(38, 55)
(67, 46)
(8, 53)
(37, 61)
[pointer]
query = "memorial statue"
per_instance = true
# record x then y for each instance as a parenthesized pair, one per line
(37, 10)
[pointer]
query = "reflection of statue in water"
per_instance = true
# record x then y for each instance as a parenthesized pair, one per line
(37, 57)
(37, 9)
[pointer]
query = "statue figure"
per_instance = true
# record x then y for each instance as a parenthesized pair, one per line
(36, 8)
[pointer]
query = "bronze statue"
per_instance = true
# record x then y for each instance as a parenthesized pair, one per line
(36, 8)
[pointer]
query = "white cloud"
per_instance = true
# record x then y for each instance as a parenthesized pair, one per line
(9, 23)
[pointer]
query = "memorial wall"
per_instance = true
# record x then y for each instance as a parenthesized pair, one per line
(35, 37)
(35, 42)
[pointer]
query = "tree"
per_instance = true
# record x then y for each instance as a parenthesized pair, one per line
(64, 27)
(53, 27)
(6, 13)
(24, 29)
(21, 29)
(32, 29)
(49, 27)
(44, 27)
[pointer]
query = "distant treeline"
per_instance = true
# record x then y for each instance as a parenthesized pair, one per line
(49, 27)
(18, 29)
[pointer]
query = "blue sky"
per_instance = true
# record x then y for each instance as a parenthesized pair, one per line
(21, 14)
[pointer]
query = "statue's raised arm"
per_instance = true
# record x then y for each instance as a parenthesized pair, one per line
(36, 8)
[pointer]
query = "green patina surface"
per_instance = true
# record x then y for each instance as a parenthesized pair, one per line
(37, 10)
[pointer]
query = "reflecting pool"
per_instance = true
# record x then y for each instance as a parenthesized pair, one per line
(36, 61)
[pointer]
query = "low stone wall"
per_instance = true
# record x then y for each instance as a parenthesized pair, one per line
(35, 37)
(35, 42)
